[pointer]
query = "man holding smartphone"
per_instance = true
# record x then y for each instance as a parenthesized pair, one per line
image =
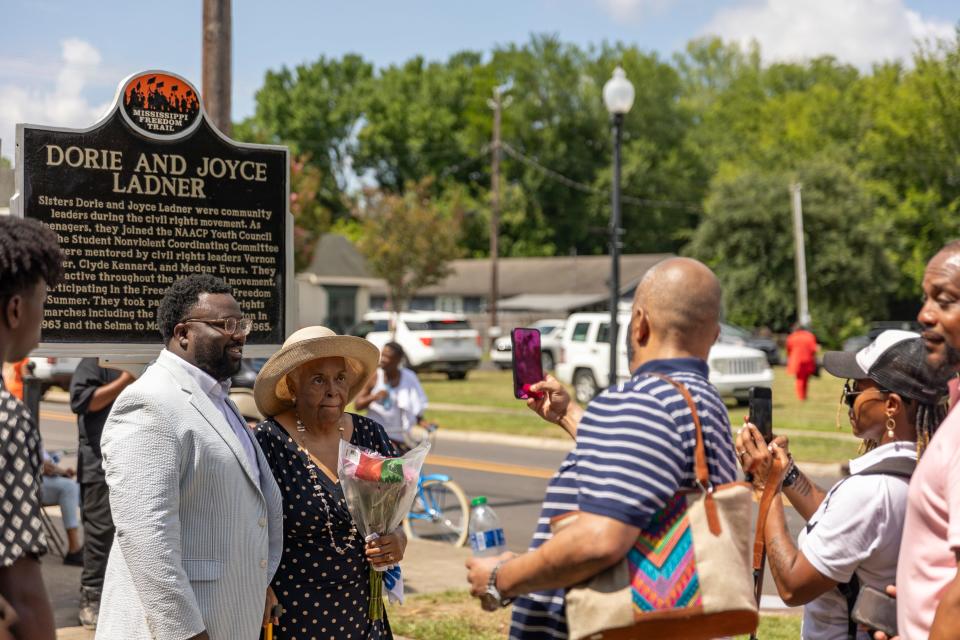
(634, 450)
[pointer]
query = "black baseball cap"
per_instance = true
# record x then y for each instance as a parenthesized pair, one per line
(896, 361)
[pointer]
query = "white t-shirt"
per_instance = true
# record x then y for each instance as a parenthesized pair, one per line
(857, 528)
(404, 402)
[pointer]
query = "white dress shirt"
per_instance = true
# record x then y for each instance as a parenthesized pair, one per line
(218, 392)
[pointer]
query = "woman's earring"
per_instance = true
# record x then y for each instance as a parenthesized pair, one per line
(891, 425)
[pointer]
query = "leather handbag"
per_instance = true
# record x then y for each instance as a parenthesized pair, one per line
(688, 576)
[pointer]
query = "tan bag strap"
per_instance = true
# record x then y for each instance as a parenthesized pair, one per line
(701, 470)
(766, 501)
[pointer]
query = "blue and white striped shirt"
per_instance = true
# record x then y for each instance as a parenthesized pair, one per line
(635, 448)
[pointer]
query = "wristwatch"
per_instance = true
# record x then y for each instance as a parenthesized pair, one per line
(492, 591)
(791, 476)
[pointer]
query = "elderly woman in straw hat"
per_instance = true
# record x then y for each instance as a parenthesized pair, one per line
(323, 579)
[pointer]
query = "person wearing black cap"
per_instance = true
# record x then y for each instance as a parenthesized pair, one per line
(853, 531)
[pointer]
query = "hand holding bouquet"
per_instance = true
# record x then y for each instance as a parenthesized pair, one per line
(379, 491)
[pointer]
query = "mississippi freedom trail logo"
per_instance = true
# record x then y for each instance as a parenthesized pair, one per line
(160, 104)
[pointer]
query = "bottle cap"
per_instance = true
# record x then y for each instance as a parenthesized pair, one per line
(479, 500)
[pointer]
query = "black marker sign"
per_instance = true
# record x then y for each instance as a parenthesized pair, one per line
(148, 195)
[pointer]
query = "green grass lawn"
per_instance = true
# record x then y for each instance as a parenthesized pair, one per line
(778, 627)
(454, 615)
(487, 388)
(494, 389)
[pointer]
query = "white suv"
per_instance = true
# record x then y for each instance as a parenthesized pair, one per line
(54, 372)
(432, 341)
(585, 360)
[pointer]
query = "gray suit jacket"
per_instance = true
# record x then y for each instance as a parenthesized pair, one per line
(198, 532)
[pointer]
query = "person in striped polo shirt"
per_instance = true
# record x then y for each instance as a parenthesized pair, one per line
(635, 444)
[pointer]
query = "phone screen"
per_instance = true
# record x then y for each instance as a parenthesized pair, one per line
(761, 411)
(527, 362)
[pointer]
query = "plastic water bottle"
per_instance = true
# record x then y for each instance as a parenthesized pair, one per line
(486, 534)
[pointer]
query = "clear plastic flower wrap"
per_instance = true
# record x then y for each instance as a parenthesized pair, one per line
(379, 491)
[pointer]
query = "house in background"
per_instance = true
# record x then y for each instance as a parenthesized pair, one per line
(338, 288)
(530, 288)
(334, 289)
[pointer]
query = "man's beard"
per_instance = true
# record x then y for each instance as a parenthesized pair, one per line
(950, 365)
(215, 361)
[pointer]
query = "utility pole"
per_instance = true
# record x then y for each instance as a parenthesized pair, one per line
(799, 255)
(497, 105)
(217, 62)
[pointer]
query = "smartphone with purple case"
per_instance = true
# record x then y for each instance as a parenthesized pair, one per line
(527, 361)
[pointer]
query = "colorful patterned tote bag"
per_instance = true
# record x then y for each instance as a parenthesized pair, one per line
(689, 574)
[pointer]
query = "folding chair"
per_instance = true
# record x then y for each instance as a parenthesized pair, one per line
(54, 537)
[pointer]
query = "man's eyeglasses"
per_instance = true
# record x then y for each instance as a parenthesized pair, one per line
(229, 326)
(850, 394)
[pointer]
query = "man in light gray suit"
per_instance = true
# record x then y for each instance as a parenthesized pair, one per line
(197, 512)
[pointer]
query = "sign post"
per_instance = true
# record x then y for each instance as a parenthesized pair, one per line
(151, 193)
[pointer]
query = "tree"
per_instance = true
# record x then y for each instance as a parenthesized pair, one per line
(408, 241)
(311, 219)
(421, 120)
(911, 151)
(747, 237)
(313, 109)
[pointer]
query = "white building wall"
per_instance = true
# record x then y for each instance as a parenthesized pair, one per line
(313, 303)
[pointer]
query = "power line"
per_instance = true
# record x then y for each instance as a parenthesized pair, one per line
(586, 188)
(481, 155)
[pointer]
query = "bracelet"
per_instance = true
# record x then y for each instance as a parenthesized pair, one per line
(492, 589)
(793, 472)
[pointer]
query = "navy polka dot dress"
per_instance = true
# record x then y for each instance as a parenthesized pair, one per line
(324, 595)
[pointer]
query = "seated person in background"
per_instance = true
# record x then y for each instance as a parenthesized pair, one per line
(853, 531)
(394, 397)
(59, 486)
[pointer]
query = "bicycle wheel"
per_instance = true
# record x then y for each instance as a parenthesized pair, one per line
(439, 513)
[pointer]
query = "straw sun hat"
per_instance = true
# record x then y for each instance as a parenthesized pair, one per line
(303, 346)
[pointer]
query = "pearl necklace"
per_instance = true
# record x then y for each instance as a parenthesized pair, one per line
(319, 493)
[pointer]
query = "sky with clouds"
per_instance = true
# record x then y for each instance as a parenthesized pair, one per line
(61, 60)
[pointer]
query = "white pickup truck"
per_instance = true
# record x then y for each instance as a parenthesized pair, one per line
(585, 360)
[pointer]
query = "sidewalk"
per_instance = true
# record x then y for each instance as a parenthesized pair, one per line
(427, 567)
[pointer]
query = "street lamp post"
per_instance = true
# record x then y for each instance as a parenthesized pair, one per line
(618, 97)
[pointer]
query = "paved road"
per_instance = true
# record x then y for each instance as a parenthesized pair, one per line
(513, 478)
(517, 498)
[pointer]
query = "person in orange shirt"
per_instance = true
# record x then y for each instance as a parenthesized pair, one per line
(801, 358)
(13, 377)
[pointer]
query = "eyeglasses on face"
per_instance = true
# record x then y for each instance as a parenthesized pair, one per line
(850, 394)
(229, 326)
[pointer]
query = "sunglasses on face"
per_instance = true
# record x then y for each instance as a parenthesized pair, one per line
(229, 326)
(850, 394)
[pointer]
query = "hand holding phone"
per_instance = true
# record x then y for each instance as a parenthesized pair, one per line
(876, 610)
(761, 411)
(527, 362)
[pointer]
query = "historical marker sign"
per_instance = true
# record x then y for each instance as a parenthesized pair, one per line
(152, 193)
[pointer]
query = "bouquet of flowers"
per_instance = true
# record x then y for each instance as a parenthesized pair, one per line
(379, 492)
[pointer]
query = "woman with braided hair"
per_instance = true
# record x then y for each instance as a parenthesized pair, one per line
(853, 531)
(30, 263)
